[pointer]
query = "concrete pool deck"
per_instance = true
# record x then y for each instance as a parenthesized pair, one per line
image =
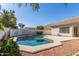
(57, 42)
(69, 48)
(60, 38)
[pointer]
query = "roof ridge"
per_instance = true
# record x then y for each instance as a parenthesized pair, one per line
(70, 18)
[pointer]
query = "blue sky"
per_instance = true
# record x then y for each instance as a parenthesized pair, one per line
(48, 13)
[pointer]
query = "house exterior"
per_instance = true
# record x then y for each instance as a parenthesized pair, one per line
(68, 27)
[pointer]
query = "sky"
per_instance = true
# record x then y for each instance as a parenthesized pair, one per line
(48, 13)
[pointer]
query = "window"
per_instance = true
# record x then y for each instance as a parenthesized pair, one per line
(64, 30)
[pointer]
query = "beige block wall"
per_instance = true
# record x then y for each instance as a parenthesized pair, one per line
(48, 32)
(47, 29)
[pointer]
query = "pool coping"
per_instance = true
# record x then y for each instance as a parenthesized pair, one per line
(34, 49)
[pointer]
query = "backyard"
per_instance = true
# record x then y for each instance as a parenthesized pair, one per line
(28, 33)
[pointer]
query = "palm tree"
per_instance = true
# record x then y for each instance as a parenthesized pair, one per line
(66, 4)
(1, 26)
(8, 18)
(21, 25)
(35, 6)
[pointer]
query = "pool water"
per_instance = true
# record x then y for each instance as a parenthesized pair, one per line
(33, 41)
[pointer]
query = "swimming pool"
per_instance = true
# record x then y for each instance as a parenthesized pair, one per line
(32, 41)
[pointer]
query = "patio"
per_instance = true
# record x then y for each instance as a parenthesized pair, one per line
(60, 38)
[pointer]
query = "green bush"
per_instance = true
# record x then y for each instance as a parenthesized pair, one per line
(9, 48)
(39, 32)
(40, 27)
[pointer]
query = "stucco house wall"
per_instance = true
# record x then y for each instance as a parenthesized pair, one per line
(55, 31)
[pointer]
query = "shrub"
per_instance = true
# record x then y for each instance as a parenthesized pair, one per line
(9, 48)
(40, 27)
(39, 32)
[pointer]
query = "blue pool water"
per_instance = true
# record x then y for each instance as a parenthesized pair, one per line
(33, 41)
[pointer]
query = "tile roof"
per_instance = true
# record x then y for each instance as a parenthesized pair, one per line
(69, 21)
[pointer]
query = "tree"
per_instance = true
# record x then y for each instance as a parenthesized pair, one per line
(1, 26)
(8, 47)
(21, 25)
(35, 6)
(40, 27)
(66, 4)
(7, 18)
